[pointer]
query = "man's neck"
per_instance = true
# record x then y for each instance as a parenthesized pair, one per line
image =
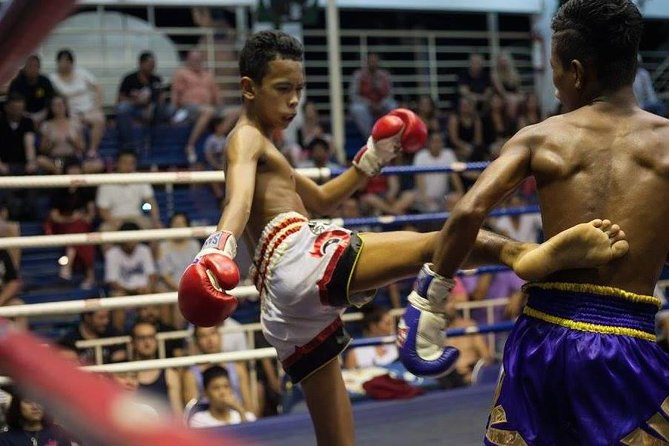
(220, 413)
(621, 98)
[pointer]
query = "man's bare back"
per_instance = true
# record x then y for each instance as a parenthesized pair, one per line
(606, 161)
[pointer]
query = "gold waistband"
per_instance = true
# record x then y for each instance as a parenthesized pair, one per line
(595, 289)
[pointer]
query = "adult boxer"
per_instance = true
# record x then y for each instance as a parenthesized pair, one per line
(581, 365)
(308, 272)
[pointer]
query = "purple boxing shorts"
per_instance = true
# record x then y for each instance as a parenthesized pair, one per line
(581, 367)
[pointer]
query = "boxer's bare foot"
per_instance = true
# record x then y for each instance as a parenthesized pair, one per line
(583, 246)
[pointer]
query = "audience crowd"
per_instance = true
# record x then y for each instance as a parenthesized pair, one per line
(54, 124)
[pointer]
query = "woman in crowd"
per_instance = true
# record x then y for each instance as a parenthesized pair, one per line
(376, 321)
(62, 137)
(506, 82)
(28, 425)
(84, 96)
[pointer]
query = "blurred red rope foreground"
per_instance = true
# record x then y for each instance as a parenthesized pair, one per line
(23, 25)
(95, 409)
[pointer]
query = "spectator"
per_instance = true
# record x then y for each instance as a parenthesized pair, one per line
(376, 321)
(124, 202)
(84, 96)
(34, 87)
(174, 256)
(29, 425)
(498, 125)
(72, 212)
(311, 127)
(214, 154)
(194, 89)
(208, 340)
(319, 155)
(506, 80)
(521, 227)
(129, 270)
(62, 137)
(224, 408)
(95, 325)
(140, 98)
(645, 92)
(10, 285)
(427, 110)
(161, 383)
(465, 131)
(10, 228)
(475, 83)
(530, 111)
(371, 94)
(151, 315)
(17, 133)
(433, 187)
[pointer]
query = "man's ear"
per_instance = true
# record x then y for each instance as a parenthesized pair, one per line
(248, 88)
(578, 72)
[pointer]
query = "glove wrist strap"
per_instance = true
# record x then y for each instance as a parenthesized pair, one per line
(367, 160)
(432, 289)
(222, 242)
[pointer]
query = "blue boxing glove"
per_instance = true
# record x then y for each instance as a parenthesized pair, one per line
(421, 332)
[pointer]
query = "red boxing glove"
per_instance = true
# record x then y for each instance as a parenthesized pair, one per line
(414, 136)
(203, 300)
(382, 146)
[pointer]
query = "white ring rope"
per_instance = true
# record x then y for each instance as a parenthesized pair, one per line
(99, 179)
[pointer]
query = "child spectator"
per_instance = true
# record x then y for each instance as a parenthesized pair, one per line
(29, 425)
(376, 321)
(214, 153)
(224, 408)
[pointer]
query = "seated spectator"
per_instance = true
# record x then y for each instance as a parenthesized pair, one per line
(28, 424)
(521, 227)
(432, 188)
(530, 111)
(10, 228)
(319, 155)
(84, 96)
(118, 203)
(95, 325)
(427, 110)
(72, 212)
(10, 285)
(376, 321)
(224, 408)
(17, 133)
(194, 90)
(140, 99)
(371, 94)
(62, 137)
(311, 127)
(506, 81)
(163, 384)
(465, 132)
(129, 270)
(498, 125)
(173, 258)
(214, 154)
(35, 88)
(207, 340)
(474, 83)
(645, 92)
(151, 315)
(399, 197)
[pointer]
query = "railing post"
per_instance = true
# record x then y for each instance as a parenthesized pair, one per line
(433, 67)
(335, 80)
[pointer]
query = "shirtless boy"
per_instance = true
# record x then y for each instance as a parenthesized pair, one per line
(308, 272)
(581, 365)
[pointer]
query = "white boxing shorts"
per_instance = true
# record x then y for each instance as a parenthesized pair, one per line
(302, 270)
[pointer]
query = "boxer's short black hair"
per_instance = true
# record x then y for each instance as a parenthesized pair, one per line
(262, 48)
(603, 33)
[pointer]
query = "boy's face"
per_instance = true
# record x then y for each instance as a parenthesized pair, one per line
(276, 98)
(219, 392)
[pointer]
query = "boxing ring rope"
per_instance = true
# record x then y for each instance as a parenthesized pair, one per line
(98, 238)
(207, 176)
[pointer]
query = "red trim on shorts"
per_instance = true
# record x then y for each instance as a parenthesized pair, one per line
(310, 346)
(274, 233)
(327, 274)
(276, 243)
